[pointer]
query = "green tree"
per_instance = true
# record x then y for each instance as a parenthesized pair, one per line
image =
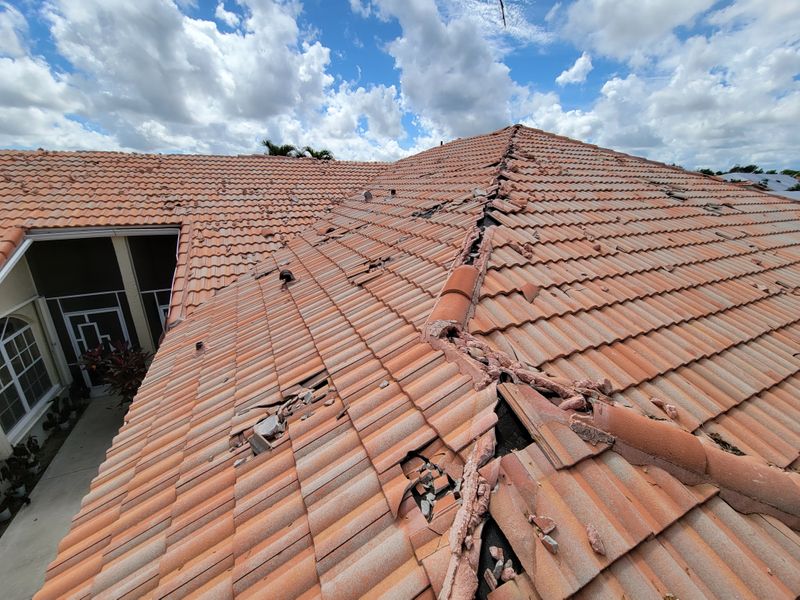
(745, 169)
(318, 154)
(706, 171)
(280, 149)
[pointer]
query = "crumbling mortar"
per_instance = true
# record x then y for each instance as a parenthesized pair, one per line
(461, 578)
(486, 366)
(477, 359)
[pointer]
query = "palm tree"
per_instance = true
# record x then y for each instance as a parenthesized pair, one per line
(318, 154)
(280, 150)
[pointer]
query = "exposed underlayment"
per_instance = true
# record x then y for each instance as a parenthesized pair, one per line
(515, 348)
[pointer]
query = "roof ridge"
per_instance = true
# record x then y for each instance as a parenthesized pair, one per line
(603, 149)
(172, 155)
(461, 290)
(746, 483)
(641, 159)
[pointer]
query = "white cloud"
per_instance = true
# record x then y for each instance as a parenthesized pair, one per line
(35, 101)
(190, 87)
(630, 30)
(731, 95)
(448, 73)
(489, 18)
(12, 29)
(40, 128)
(360, 122)
(577, 72)
(361, 7)
(187, 72)
(26, 82)
(231, 19)
(553, 12)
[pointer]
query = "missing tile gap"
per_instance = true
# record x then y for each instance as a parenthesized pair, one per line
(272, 426)
(503, 566)
(510, 433)
(725, 444)
(427, 214)
(431, 484)
(486, 220)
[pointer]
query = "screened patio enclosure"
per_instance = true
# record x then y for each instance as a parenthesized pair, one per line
(103, 290)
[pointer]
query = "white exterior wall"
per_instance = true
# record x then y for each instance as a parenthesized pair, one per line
(18, 298)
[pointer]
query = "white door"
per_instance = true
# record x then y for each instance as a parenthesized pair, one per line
(91, 328)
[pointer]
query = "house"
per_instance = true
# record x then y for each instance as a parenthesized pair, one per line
(778, 183)
(512, 366)
(98, 247)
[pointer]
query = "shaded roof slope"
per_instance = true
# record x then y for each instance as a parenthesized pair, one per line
(477, 341)
(232, 210)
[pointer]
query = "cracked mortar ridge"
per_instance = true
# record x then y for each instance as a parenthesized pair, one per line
(747, 484)
(445, 330)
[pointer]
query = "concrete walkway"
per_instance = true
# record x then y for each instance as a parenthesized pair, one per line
(29, 543)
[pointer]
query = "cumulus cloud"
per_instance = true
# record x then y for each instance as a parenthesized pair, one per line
(186, 70)
(630, 30)
(192, 85)
(577, 72)
(731, 95)
(446, 69)
(231, 19)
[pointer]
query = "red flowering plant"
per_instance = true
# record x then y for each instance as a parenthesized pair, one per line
(121, 367)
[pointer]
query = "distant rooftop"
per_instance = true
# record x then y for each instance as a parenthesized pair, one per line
(773, 182)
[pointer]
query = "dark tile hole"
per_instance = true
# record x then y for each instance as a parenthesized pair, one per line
(427, 474)
(427, 214)
(488, 219)
(492, 535)
(725, 444)
(509, 431)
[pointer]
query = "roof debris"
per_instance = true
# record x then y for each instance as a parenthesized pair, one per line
(549, 543)
(393, 471)
(595, 541)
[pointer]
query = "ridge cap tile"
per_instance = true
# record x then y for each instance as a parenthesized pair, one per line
(328, 509)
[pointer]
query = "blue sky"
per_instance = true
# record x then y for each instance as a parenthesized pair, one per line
(692, 82)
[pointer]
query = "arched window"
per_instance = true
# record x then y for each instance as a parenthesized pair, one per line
(23, 376)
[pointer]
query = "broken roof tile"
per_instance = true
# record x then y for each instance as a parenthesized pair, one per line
(673, 298)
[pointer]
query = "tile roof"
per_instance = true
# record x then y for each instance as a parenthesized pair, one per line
(633, 319)
(232, 210)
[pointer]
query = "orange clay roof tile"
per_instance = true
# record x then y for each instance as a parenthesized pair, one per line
(217, 201)
(680, 290)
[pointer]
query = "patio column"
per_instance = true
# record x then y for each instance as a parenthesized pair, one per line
(132, 292)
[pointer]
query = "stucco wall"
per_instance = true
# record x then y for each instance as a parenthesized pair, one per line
(17, 287)
(17, 298)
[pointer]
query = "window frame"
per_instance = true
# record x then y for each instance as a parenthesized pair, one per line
(6, 360)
